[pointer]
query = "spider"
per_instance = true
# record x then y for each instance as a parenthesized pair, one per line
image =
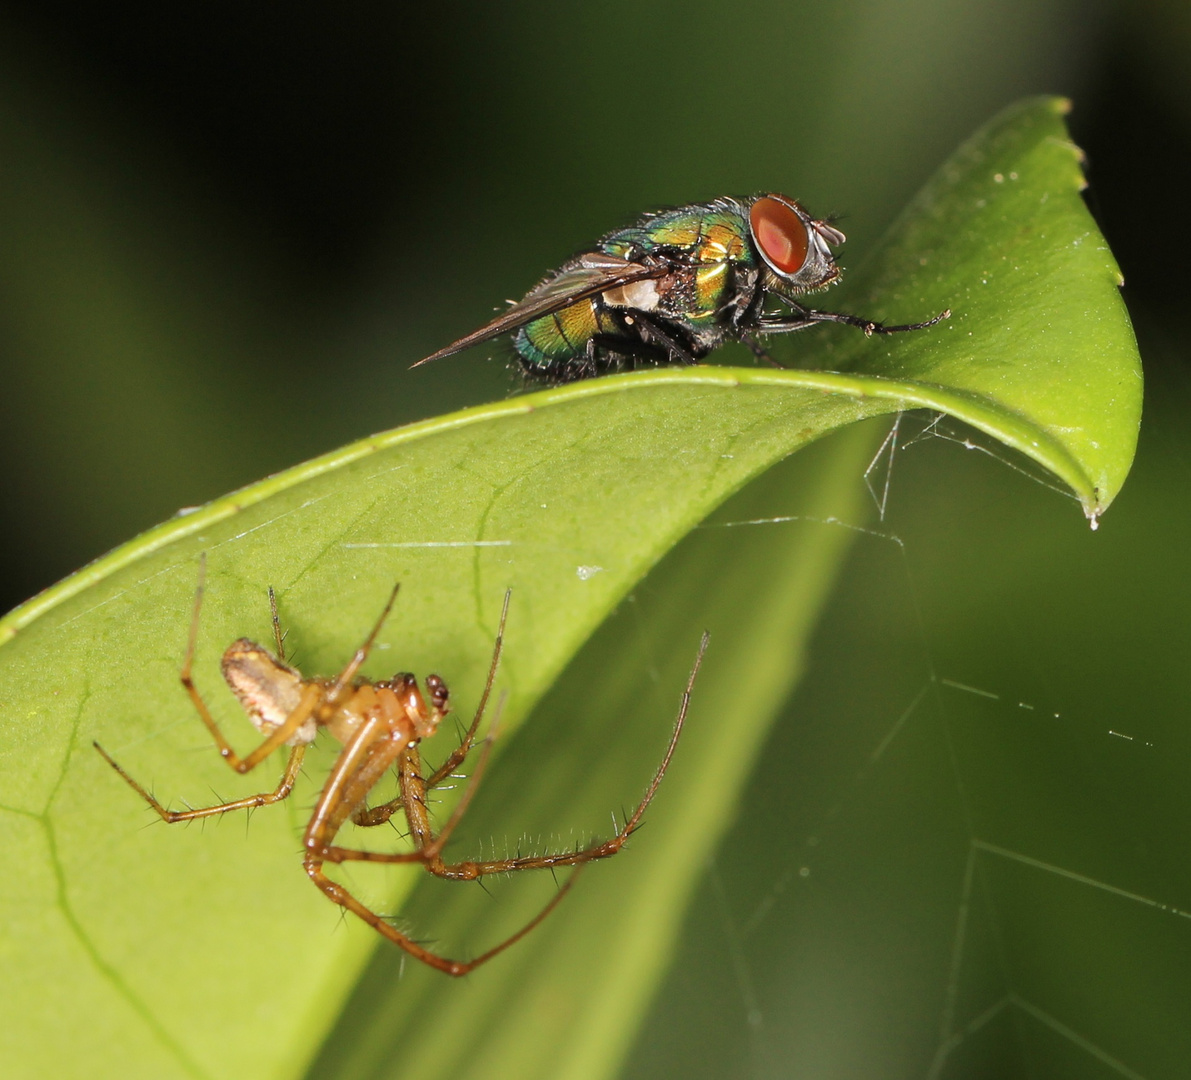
(380, 725)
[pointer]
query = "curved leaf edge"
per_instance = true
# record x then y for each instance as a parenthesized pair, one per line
(976, 410)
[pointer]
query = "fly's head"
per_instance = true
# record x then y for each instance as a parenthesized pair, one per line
(794, 247)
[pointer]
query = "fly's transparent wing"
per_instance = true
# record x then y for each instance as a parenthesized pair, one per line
(586, 276)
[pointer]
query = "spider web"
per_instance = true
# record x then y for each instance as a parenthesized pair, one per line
(961, 853)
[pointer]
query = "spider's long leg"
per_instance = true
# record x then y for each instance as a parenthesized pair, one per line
(315, 701)
(413, 787)
(413, 801)
(411, 798)
(428, 848)
(249, 802)
(464, 748)
(344, 899)
(413, 792)
(472, 870)
(469, 871)
(312, 698)
(343, 680)
(278, 636)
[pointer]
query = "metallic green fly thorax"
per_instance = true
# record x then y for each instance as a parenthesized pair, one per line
(710, 240)
(673, 287)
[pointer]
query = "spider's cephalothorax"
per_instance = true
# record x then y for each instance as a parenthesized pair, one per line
(673, 287)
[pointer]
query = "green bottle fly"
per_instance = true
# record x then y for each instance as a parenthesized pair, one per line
(673, 287)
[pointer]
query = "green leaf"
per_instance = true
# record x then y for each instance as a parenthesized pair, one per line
(569, 497)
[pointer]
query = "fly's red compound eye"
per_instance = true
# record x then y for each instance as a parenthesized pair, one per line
(780, 234)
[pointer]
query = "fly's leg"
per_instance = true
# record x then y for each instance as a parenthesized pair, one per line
(630, 354)
(653, 333)
(429, 850)
(787, 324)
(944, 314)
(249, 802)
(759, 351)
(646, 342)
(804, 317)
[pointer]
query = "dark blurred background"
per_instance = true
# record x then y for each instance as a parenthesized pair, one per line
(226, 230)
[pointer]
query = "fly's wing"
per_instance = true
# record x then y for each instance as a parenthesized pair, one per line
(586, 276)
